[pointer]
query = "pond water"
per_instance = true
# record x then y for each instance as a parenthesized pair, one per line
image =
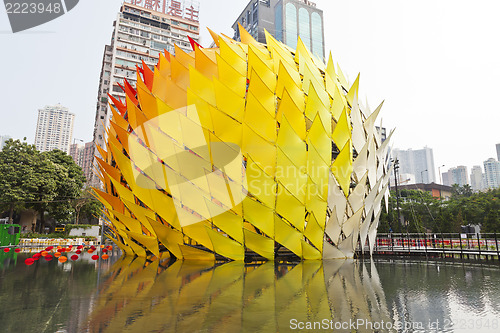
(123, 294)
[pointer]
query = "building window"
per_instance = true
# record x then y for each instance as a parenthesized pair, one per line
(305, 27)
(291, 25)
(317, 35)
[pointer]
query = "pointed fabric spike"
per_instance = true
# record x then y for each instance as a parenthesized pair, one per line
(130, 91)
(118, 119)
(215, 37)
(288, 236)
(204, 63)
(225, 246)
(183, 57)
(246, 38)
(167, 54)
(260, 244)
(119, 105)
(148, 75)
(342, 168)
(341, 77)
(339, 102)
(194, 43)
(352, 95)
(342, 132)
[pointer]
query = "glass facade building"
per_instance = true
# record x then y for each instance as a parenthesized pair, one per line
(286, 20)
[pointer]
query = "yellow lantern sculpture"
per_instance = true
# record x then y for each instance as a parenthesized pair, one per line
(246, 150)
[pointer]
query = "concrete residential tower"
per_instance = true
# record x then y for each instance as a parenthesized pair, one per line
(54, 128)
(419, 162)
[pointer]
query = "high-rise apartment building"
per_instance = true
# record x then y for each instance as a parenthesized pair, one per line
(498, 151)
(54, 128)
(286, 20)
(419, 162)
(476, 178)
(457, 175)
(142, 30)
(83, 155)
(3, 139)
(491, 173)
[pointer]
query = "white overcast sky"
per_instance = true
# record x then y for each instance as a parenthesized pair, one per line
(436, 63)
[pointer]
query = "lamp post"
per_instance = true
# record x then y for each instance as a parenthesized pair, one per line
(440, 176)
(422, 175)
(396, 168)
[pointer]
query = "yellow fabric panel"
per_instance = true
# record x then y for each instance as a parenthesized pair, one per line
(316, 104)
(291, 143)
(226, 128)
(262, 55)
(147, 101)
(316, 205)
(290, 208)
(226, 246)
(257, 67)
(259, 119)
(204, 63)
(231, 224)
(287, 108)
(286, 81)
(131, 223)
(339, 103)
(319, 138)
(169, 237)
(108, 169)
(180, 73)
(302, 54)
(191, 253)
(142, 214)
(118, 119)
(341, 77)
(148, 163)
(125, 248)
(202, 86)
(109, 201)
(149, 242)
(246, 38)
(215, 37)
(260, 216)
(122, 134)
(183, 57)
(123, 192)
(170, 93)
(288, 236)
(138, 250)
(353, 91)
(314, 232)
(199, 234)
(309, 252)
(342, 132)
(342, 168)
(231, 77)
(234, 56)
(290, 176)
(125, 166)
(260, 185)
(228, 101)
(163, 66)
(266, 96)
(203, 109)
(163, 205)
(278, 51)
(312, 77)
(218, 190)
(261, 151)
(259, 244)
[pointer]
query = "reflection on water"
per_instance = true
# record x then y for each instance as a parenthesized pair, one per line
(135, 295)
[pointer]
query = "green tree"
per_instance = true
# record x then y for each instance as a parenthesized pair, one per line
(19, 162)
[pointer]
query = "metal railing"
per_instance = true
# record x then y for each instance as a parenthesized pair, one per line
(480, 244)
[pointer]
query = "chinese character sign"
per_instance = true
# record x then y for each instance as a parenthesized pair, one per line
(180, 8)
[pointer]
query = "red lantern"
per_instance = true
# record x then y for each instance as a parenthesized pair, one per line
(74, 257)
(49, 248)
(36, 256)
(104, 251)
(48, 257)
(78, 251)
(6, 250)
(17, 250)
(95, 257)
(80, 247)
(29, 261)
